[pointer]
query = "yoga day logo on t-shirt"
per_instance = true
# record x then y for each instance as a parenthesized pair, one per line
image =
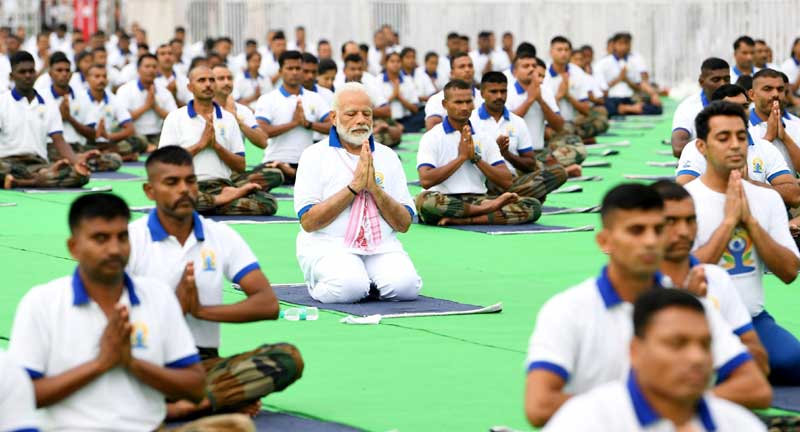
(758, 166)
(379, 178)
(738, 256)
(139, 335)
(209, 260)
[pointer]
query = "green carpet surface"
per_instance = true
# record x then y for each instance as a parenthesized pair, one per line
(416, 374)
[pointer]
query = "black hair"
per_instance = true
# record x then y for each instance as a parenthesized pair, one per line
(760, 41)
(20, 56)
(138, 62)
(541, 63)
(453, 35)
(456, 85)
(622, 36)
(300, 28)
(224, 39)
(586, 47)
(310, 58)
(59, 57)
(521, 55)
(392, 54)
(508, 33)
(250, 42)
(654, 301)
(252, 54)
(100, 49)
(560, 39)
(180, 29)
(526, 47)
(670, 191)
(494, 78)
(464, 38)
(61, 27)
(170, 155)
(407, 50)
(325, 65)
(97, 205)
(279, 35)
(484, 34)
(747, 40)
(289, 55)
(352, 58)
(95, 66)
(322, 41)
(767, 73)
(363, 47)
(124, 36)
(728, 90)
(344, 45)
(82, 55)
(716, 108)
(745, 82)
(712, 64)
(457, 55)
(430, 54)
(629, 196)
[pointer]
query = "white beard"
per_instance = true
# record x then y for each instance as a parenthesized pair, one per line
(354, 139)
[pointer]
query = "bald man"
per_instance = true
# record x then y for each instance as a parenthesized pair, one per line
(211, 134)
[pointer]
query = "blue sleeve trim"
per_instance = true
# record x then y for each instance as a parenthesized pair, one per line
(498, 162)
(184, 362)
(54, 133)
(92, 125)
(34, 374)
(31, 429)
(727, 369)
(433, 115)
(410, 210)
(525, 150)
(779, 173)
(264, 119)
(123, 123)
(304, 210)
(425, 164)
(550, 367)
(688, 172)
(583, 100)
(387, 103)
(323, 118)
(744, 329)
(242, 154)
(254, 127)
(245, 271)
(683, 129)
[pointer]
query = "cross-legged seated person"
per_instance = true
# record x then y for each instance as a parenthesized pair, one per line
(26, 122)
(623, 78)
(671, 364)
(114, 124)
(212, 136)
(76, 115)
(196, 257)
(514, 141)
(290, 116)
(454, 164)
(352, 199)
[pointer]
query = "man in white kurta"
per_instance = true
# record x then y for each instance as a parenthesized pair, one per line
(351, 197)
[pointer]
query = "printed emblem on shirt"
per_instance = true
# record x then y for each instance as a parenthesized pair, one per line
(478, 148)
(139, 335)
(738, 256)
(379, 179)
(758, 166)
(209, 260)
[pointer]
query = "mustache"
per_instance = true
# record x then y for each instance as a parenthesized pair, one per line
(184, 199)
(114, 259)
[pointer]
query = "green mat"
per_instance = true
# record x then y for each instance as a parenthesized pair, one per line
(421, 374)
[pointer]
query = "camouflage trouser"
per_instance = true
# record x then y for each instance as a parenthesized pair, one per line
(30, 166)
(567, 148)
(384, 137)
(107, 161)
(592, 124)
(256, 203)
(130, 147)
(139, 143)
(536, 184)
(781, 423)
(236, 381)
(433, 206)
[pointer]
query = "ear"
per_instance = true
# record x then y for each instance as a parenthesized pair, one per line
(603, 240)
(332, 117)
(148, 190)
(751, 94)
(701, 147)
(71, 246)
(635, 350)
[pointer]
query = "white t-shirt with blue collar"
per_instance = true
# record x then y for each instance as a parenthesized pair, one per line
(608, 68)
(593, 350)
(244, 86)
(58, 327)
(622, 406)
(509, 124)
(277, 108)
(764, 161)
(79, 109)
(791, 124)
(325, 169)
(534, 118)
(133, 94)
(791, 67)
(439, 146)
(218, 252)
(434, 107)
(579, 88)
(407, 90)
(687, 111)
(109, 108)
(26, 126)
(184, 128)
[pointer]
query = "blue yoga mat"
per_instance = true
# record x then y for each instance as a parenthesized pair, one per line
(546, 210)
(115, 175)
(284, 422)
(534, 228)
(786, 398)
(133, 164)
(253, 219)
(298, 294)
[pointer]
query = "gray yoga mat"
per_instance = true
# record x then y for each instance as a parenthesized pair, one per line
(285, 422)
(786, 398)
(133, 164)
(546, 210)
(66, 190)
(115, 175)
(253, 219)
(298, 294)
(533, 228)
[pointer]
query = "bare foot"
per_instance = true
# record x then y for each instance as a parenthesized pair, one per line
(8, 181)
(574, 170)
(133, 157)
(251, 410)
(444, 222)
(150, 148)
(180, 409)
(499, 202)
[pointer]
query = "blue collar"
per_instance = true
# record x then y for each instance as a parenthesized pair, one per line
(158, 233)
(91, 98)
(796, 61)
(693, 261)
(518, 87)
(56, 95)
(333, 139)
(249, 76)
(386, 77)
(553, 72)
(449, 129)
(610, 296)
(17, 96)
(83, 78)
(703, 98)
(750, 139)
(140, 85)
(483, 113)
(738, 72)
(174, 75)
(81, 297)
(433, 75)
(192, 113)
(286, 93)
(755, 119)
(647, 415)
(315, 89)
(623, 58)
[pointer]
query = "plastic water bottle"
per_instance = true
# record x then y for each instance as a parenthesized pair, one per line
(300, 314)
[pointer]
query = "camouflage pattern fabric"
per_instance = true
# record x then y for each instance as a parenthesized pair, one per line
(256, 203)
(31, 166)
(536, 184)
(433, 206)
(232, 382)
(592, 124)
(787, 423)
(384, 137)
(566, 148)
(267, 178)
(107, 161)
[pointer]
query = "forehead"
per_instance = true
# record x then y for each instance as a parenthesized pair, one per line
(98, 224)
(222, 72)
(768, 81)
(492, 86)
(623, 218)
(675, 320)
(726, 123)
(161, 170)
(679, 207)
(25, 65)
(462, 62)
(458, 94)
(354, 100)
(199, 73)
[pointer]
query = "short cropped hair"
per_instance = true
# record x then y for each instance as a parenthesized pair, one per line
(656, 300)
(97, 205)
(430, 54)
(521, 55)
(629, 196)
(404, 52)
(142, 58)
(526, 47)
(747, 40)
(58, 57)
(745, 82)
(712, 64)
(456, 85)
(289, 55)
(670, 191)
(169, 155)
(352, 58)
(457, 55)
(310, 58)
(560, 39)
(728, 90)
(494, 78)
(325, 65)
(767, 73)
(714, 109)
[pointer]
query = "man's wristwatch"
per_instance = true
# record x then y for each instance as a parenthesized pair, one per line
(475, 159)
(307, 124)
